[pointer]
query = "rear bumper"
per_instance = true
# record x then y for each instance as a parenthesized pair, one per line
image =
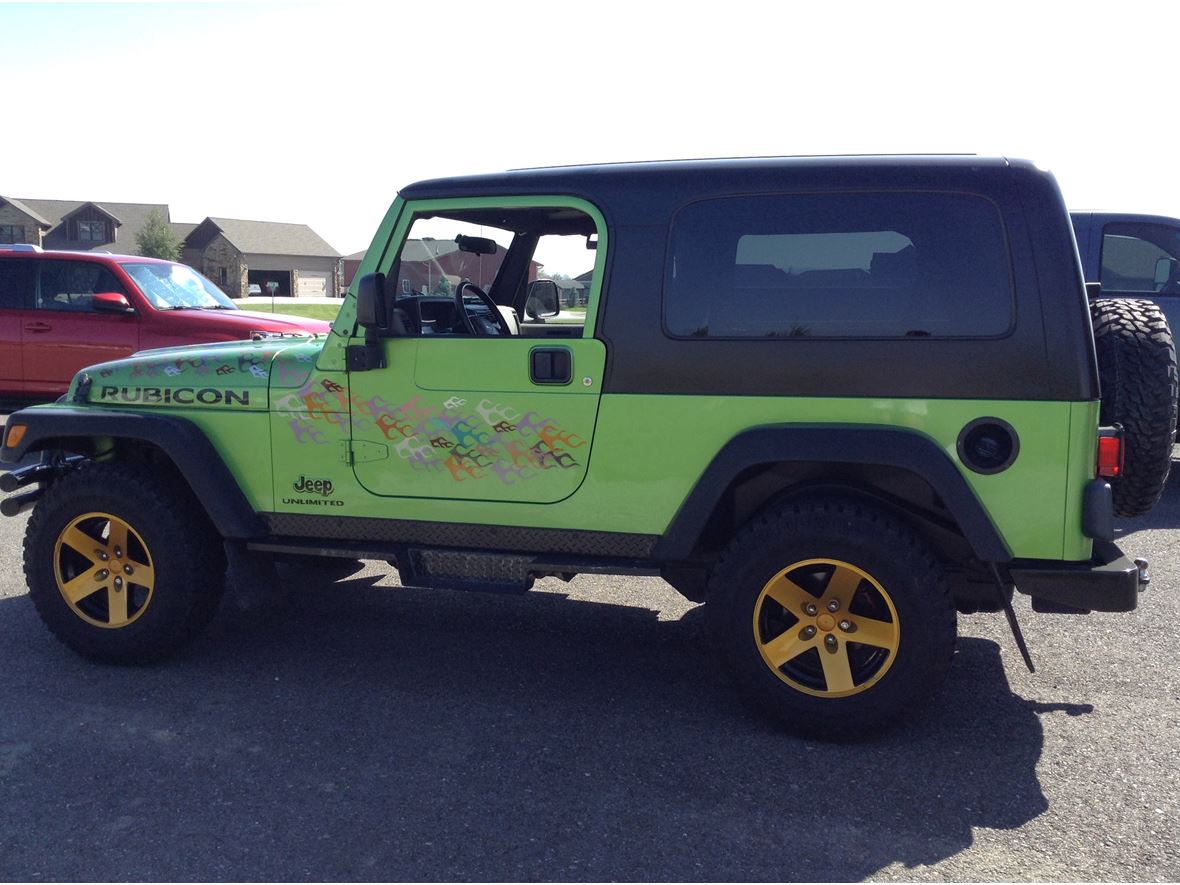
(1109, 582)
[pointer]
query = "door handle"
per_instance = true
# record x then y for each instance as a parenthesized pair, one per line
(551, 365)
(38, 327)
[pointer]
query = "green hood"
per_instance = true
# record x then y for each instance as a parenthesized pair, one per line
(232, 375)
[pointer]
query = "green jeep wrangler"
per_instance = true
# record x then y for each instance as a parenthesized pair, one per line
(836, 399)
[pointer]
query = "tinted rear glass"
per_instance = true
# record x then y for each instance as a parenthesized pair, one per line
(71, 285)
(15, 279)
(874, 265)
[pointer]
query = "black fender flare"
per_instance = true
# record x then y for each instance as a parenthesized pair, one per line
(182, 441)
(834, 444)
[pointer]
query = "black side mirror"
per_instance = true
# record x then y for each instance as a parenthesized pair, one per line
(372, 315)
(371, 310)
(542, 300)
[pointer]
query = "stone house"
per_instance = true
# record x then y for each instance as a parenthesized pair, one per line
(281, 259)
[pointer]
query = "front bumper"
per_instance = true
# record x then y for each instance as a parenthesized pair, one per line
(1109, 582)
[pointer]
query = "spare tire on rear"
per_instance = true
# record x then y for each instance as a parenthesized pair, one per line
(1137, 374)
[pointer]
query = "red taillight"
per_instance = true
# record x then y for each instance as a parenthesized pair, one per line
(1110, 453)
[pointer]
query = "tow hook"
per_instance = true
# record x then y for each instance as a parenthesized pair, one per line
(48, 469)
(18, 504)
(1144, 577)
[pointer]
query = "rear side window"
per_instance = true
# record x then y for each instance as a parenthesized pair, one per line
(1140, 257)
(71, 285)
(847, 265)
(16, 275)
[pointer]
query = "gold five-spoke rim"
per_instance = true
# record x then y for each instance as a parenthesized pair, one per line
(826, 628)
(103, 570)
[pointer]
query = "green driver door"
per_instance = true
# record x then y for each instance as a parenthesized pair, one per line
(491, 377)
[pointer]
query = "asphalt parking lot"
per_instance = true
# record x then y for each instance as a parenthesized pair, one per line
(580, 732)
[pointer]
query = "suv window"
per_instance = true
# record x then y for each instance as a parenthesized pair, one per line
(71, 285)
(15, 276)
(1140, 258)
(839, 265)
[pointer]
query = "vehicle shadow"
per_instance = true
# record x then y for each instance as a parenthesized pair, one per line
(1164, 515)
(366, 733)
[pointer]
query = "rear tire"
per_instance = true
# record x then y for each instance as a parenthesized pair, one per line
(883, 647)
(122, 565)
(1138, 378)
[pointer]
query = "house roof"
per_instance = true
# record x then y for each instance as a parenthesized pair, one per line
(262, 237)
(182, 229)
(104, 210)
(570, 284)
(426, 249)
(129, 217)
(21, 207)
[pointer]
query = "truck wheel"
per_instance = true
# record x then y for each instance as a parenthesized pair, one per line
(833, 616)
(1137, 374)
(121, 565)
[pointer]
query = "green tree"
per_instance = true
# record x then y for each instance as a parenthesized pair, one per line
(156, 239)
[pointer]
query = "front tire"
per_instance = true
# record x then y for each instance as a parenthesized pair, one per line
(121, 565)
(833, 616)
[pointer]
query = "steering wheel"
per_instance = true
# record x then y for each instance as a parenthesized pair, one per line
(479, 326)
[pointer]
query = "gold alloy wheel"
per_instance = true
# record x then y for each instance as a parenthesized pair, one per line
(103, 570)
(826, 628)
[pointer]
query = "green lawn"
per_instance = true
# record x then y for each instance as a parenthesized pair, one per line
(291, 306)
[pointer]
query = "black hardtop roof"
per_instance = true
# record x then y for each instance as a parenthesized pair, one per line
(694, 171)
(1131, 217)
(643, 191)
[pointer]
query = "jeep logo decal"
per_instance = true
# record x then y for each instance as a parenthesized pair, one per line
(306, 485)
(311, 486)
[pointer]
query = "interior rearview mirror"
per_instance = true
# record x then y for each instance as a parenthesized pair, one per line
(542, 300)
(476, 245)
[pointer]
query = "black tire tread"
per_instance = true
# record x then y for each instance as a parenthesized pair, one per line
(845, 518)
(194, 543)
(1139, 384)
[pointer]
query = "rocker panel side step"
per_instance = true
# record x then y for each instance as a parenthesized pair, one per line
(455, 568)
(464, 570)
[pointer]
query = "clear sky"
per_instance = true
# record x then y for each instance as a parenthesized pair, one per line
(318, 113)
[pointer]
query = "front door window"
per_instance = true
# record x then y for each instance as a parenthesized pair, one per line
(492, 377)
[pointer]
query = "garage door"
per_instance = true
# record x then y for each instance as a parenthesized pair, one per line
(312, 285)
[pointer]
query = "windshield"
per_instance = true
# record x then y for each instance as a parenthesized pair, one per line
(175, 286)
